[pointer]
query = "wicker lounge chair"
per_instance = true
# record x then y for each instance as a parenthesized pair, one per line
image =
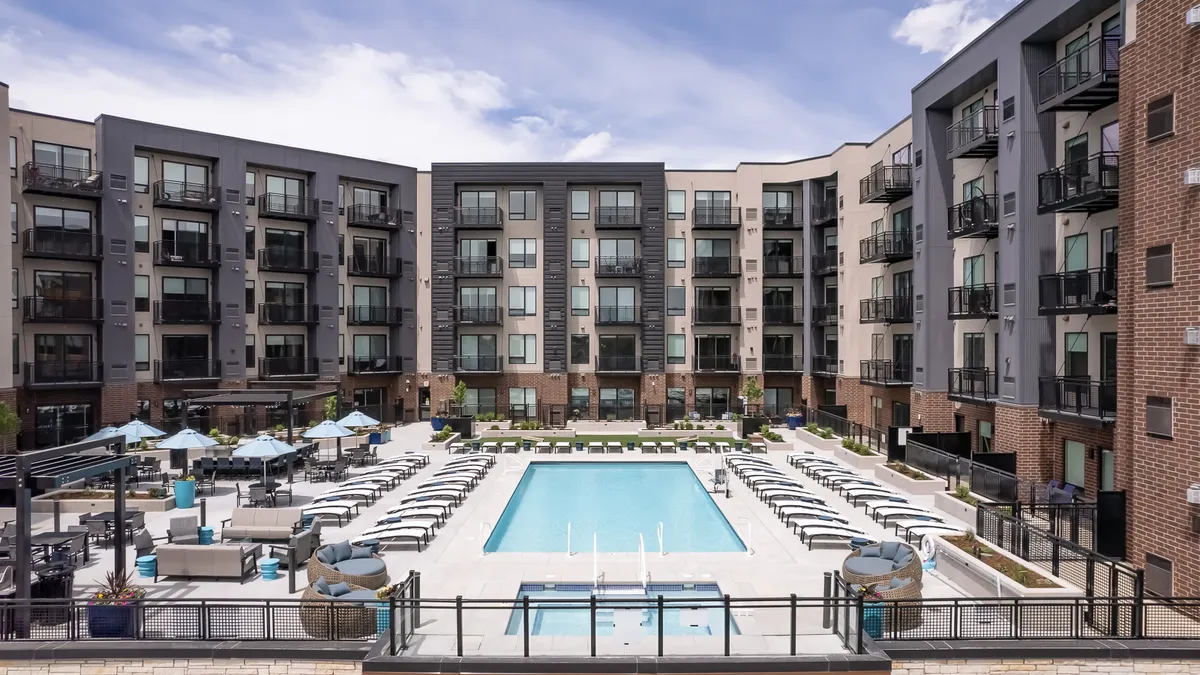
(368, 572)
(880, 563)
(350, 619)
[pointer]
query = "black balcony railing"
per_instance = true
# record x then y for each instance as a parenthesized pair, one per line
(825, 365)
(289, 366)
(374, 266)
(483, 314)
(780, 217)
(716, 363)
(372, 215)
(482, 217)
(186, 312)
(782, 363)
(974, 136)
(63, 310)
(288, 207)
(713, 266)
(186, 254)
(1091, 291)
(359, 365)
(285, 313)
(886, 247)
(887, 309)
(618, 266)
(616, 217)
(717, 217)
(622, 363)
(1087, 186)
(886, 184)
(824, 211)
(972, 385)
(288, 259)
(478, 364)
(55, 179)
(374, 315)
(1079, 396)
(973, 302)
(194, 196)
(975, 217)
(63, 373)
(885, 372)
(481, 266)
(1084, 80)
(718, 314)
(783, 266)
(825, 315)
(613, 315)
(64, 244)
(825, 263)
(186, 369)
(783, 315)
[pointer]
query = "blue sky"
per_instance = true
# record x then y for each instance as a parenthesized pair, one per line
(693, 83)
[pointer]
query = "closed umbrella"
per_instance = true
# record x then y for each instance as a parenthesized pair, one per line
(264, 448)
(140, 429)
(112, 432)
(357, 419)
(329, 429)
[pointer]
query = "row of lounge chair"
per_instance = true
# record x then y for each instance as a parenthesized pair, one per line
(344, 500)
(609, 447)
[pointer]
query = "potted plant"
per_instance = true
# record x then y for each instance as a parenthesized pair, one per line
(872, 611)
(331, 407)
(383, 614)
(795, 419)
(185, 492)
(112, 609)
(752, 391)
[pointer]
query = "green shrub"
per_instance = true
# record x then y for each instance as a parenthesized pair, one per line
(442, 435)
(825, 432)
(687, 426)
(495, 427)
(848, 443)
(527, 425)
(720, 427)
(811, 427)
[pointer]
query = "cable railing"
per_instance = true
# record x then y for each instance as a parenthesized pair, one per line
(187, 253)
(1100, 58)
(886, 247)
(974, 217)
(716, 266)
(278, 205)
(1080, 396)
(1087, 185)
(783, 266)
(55, 309)
(974, 135)
(478, 216)
(780, 217)
(709, 314)
(976, 301)
(181, 194)
(618, 266)
(886, 184)
(610, 315)
(618, 216)
(716, 216)
(976, 385)
(1090, 291)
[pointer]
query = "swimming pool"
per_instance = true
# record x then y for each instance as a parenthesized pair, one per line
(617, 501)
(700, 618)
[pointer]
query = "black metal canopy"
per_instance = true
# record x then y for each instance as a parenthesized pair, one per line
(254, 396)
(52, 469)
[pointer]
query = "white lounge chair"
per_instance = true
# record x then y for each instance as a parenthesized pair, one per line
(418, 512)
(476, 469)
(562, 446)
(446, 493)
(595, 446)
(915, 533)
(613, 446)
(811, 501)
(811, 532)
(723, 447)
(510, 446)
(650, 446)
(839, 483)
(543, 447)
(885, 513)
(445, 480)
(922, 520)
(456, 491)
(798, 521)
(482, 461)
(446, 505)
(813, 510)
(859, 493)
(415, 531)
(456, 448)
(667, 446)
(366, 492)
(759, 448)
(758, 472)
(371, 480)
(342, 508)
(770, 495)
(703, 446)
(870, 505)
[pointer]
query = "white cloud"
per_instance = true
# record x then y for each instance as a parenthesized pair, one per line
(194, 37)
(944, 26)
(589, 147)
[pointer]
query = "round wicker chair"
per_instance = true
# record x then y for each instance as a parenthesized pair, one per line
(897, 614)
(318, 569)
(351, 619)
(912, 571)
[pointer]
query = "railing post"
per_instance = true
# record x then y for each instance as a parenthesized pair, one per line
(728, 617)
(416, 593)
(859, 608)
(525, 622)
(458, 616)
(660, 625)
(204, 512)
(828, 586)
(824, 622)
(291, 561)
(391, 610)
(1138, 621)
(592, 622)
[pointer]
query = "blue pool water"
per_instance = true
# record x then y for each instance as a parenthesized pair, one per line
(615, 500)
(640, 606)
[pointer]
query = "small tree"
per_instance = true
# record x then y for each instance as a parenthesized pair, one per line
(10, 424)
(459, 396)
(752, 390)
(331, 407)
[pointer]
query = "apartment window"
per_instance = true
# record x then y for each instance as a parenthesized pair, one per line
(1074, 463)
(185, 348)
(285, 347)
(1076, 348)
(676, 253)
(12, 156)
(1159, 417)
(370, 346)
(249, 296)
(522, 300)
(180, 236)
(676, 300)
(676, 204)
(62, 155)
(341, 299)
(250, 189)
(580, 204)
(903, 155)
(579, 301)
(522, 205)
(476, 201)
(876, 412)
(249, 350)
(249, 242)
(141, 174)
(1009, 108)
(522, 349)
(1160, 117)
(141, 293)
(178, 173)
(985, 436)
(580, 397)
(341, 199)
(1159, 266)
(141, 234)
(580, 350)
(676, 348)
(522, 252)
(141, 352)
(286, 193)
(12, 215)
(579, 253)
(713, 204)
(46, 218)
(522, 402)
(341, 349)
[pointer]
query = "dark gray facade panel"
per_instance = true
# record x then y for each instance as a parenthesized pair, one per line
(933, 272)
(808, 245)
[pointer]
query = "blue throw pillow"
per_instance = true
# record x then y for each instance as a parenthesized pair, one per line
(321, 586)
(341, 551)
(325, 555)
(338, 589)
(869, 552)
(888, 549)
(360, 552)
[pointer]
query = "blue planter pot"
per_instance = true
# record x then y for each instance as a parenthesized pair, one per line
(111, 621)
(185, 494)
(873, 619)
(794, 422)
(437, 423)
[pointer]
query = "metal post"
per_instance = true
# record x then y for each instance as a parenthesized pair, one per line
(119, 524)
(825, 604)
(21, 551)
(825, 623)
(57, 515)
(592, 621)
(292, 419)
(184, 419)
(203, 512)
(859, 609)
(391, 608)
(660, 625)
(458, 609)
(291, 561)
(727, 621)
(1139, 604)
(525, 622)
(416, 593)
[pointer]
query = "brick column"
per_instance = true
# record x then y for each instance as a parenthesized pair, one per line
(932, 411)
(118, 402)
(1019, 429)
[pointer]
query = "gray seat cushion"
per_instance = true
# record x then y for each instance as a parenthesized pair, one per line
(903, 560)
(325, 555)
(359, 595)
(867, 566)
(869, 552)
(360, 552)
(362, 567)
(889, 549)
(899, 583)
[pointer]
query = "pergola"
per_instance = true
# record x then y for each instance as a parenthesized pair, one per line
(248, 397)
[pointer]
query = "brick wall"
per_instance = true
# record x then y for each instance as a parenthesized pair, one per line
(27, 402)
(1021, 430)
(972, 415)
(857, 398)
(100, 666)
(932, 411)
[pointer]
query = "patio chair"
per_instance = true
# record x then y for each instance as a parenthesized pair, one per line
(225, 466)
(206, 480)
(84, 517)
(143, 543)
(208, 465)
(301, 544)
(137, 522)
(238, 466)
(239, 495)
(254, 466)
(339, 467)
(282, 491)
(315, 530)
(259, 497)
(98, 529)
(185, 530)
(6, 579)
(69, 551)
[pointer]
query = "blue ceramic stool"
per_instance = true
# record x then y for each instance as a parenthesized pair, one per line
(206, 536)
(269, 568)
(147, 565)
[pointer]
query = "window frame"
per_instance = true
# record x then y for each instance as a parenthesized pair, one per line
(587, 299)
(682, 261)
(525, 293)
(586, 341)
(682, 291)
(141, 245)
(140, 162)
(586, 213)
(524, 256)
(681, 214)
(528, 342)
(525, 212)
(587, 252)
(682, 340)
(12, 156)
(143, 339)
(1168, 106)
(145, 298)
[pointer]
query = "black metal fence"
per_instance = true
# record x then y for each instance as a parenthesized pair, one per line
(984, 480)
(875, 439)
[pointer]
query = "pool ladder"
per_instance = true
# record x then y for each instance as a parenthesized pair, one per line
(482, 539)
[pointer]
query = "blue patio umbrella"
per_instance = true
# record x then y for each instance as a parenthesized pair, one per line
(188, 438)
(265, 447)
(357, 419)
(112, 432)
(140, 429)
(329, 429)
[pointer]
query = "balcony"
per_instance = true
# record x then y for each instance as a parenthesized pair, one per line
(823, 213)
(709, 266)
(479, 315)
(825, 315)
(972, 385)
(288, 207)
(977, 217)
(825, 365)
(783, 315)
(186, 312)
(175, 194)
(1085, 80)
(371, 365)
(288, 314)
(289, 366)
(716, 364)
(479, 267)
(287, 259)
(618, 316)
(618, 267)
(885, 247)
(778, 266)
(61, 244)
(1086, 186)
(1078, 398)
(63, 374)
(40, 309)
(61, 181)
(887, 309)
(782, 363)
(383, 267)
(478, 364)
(886, 185)
(826, 263)
(716, 315)
(717, 218)
(975, 136)
(186, 254)
(372, 216)
(618, 217)
(781, 218)
(478, 218)
(174, 370)
(885, 373)
(1091, 291)
(624, 363)
(372, 315)
(973, 302)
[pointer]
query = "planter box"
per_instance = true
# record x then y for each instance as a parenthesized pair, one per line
(952, 506)
(45, 504)
(910, 485)
(978, 579)
(442, 446)
(827, 444)
(670, 432)
(858, 461)
(483, 431)
(780, 446)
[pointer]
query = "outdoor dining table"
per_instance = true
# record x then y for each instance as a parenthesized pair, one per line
(270, 485)
(51, 540)
(109, 516)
